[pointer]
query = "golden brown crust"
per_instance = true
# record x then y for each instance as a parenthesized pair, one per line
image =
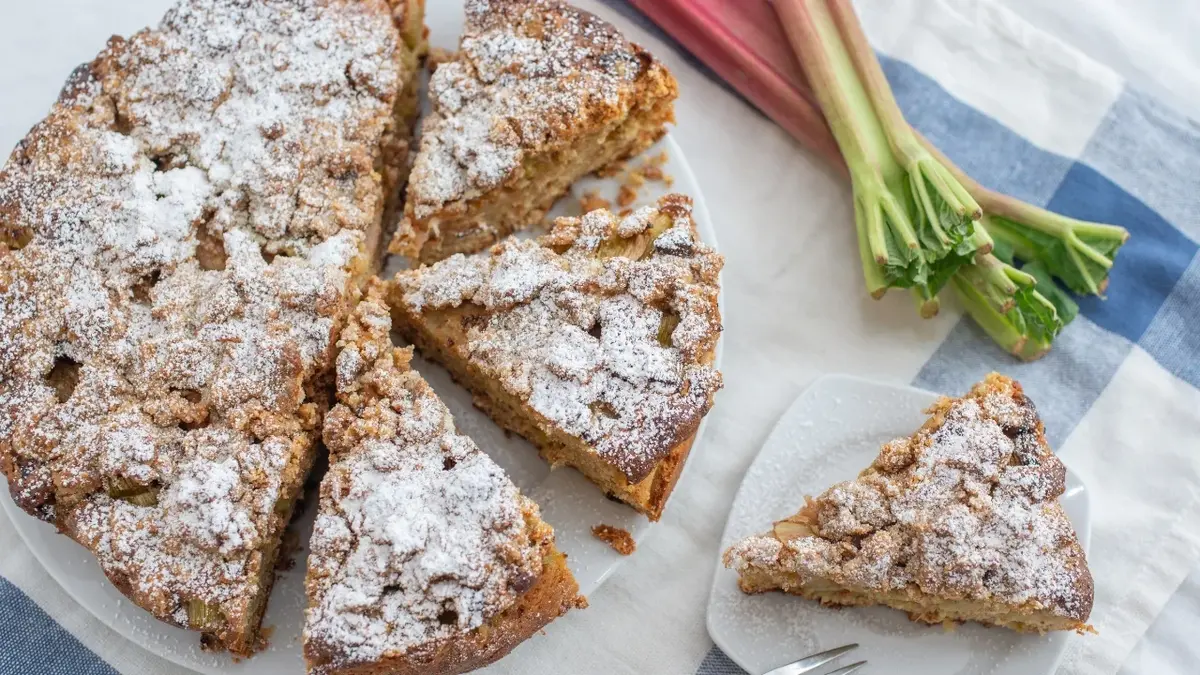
(424, 558)
(539, 94)
(180, 240)
(959, 522)
(552, 595)
(665, 476)
(596, 343)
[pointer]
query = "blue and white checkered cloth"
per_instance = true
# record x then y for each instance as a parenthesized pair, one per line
(1119, 392)
(1129, 363)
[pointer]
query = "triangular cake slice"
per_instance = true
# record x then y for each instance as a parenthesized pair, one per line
(960, 522)
(424, 558)
(539, 94)
(595, 342)
(180, 241)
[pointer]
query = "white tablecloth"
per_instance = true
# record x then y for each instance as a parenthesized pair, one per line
(1153, 45)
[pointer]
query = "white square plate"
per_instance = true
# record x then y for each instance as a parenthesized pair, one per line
(833, 431)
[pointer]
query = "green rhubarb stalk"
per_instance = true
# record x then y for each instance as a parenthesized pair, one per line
(1043, 281)
(921, 222)
(1078, 253)
(887, 238)
(915, 221)
(1009, 334)
(1012, 305)
(945, 210)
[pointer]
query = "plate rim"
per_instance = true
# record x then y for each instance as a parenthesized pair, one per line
(32, 535)
(708, 235)
(1084, 533)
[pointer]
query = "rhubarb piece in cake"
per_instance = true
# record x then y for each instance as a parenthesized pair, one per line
(595, 342)
(960, 522)
(424, 558)
(540, 94)
(180, 240)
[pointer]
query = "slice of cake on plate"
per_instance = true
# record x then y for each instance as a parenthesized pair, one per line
(540, 94)
(595, 342)
(180, 240)
(424, 558)
(960, 522)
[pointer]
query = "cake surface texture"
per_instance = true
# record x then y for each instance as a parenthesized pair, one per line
(425, 558)
(596, 342)
(181, 239)
(539, 95)
(960, 522)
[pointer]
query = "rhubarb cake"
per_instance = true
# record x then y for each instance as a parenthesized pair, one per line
(424, 558)
(595, 342)
(960, 522)
(540, 94)
(180, 242)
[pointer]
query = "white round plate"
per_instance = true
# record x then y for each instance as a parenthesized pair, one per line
(568, 501)
(833, 431)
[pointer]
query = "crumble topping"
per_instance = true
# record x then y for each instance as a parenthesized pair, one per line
(966, 508)
(178, 240)
(420, 535)
(528, 73)
(613, 347)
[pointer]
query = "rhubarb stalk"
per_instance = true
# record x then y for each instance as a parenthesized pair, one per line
(741, 43)
(904, 188)
(945, 210)
(1078, 253)
(915, 226)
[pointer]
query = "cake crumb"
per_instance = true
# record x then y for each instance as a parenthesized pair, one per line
(635, 179)
(652, 170)
(627, 195)
(591, 201)
(620, 540)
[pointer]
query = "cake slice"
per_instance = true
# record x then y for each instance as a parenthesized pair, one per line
(960, 522)
(180, 240)
(540, 94)
(595, 342)
(424, 558)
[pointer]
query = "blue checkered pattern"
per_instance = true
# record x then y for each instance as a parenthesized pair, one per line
(34, 643)
(1140, 170)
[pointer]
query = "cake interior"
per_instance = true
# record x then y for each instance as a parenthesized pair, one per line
(542, 178)
(919, 607)
(425, 557)
(200, 614)
(393, 167)
(441, 335)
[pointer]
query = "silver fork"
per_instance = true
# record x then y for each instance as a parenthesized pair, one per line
(809, 664)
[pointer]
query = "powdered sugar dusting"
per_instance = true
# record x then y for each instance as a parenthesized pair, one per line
(420, 536)
(177, 242)
(580, 336)
(966, 508)
(529, 72)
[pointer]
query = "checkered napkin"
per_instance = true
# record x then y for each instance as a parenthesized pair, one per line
(1119, 392)
(1025, 114)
